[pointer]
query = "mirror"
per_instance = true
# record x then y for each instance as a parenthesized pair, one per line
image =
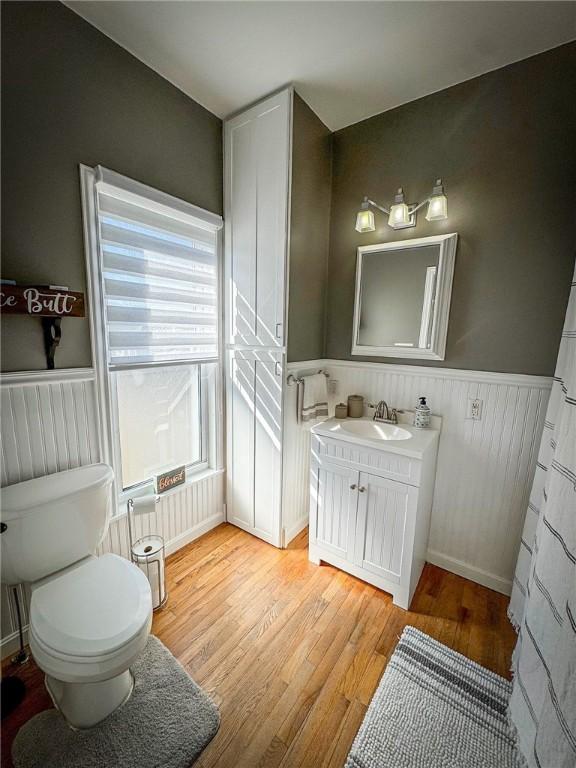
(403, 292)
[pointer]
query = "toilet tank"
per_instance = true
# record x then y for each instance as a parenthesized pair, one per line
(53, 521)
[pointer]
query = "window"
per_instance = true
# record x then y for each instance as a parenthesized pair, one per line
(171, 433)
(154, 299)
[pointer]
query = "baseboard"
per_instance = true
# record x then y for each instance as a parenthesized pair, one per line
(194, 533)
(293, 531)
(460, 568)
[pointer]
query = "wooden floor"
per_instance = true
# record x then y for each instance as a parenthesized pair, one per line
(291, 652)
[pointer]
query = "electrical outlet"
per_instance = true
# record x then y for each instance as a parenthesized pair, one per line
(332, 387)
(474, 409)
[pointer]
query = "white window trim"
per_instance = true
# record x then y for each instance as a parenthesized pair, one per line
(92, 179)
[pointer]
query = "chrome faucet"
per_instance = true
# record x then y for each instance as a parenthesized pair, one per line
(382, 412)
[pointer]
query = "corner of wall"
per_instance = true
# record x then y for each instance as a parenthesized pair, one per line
(328, 249)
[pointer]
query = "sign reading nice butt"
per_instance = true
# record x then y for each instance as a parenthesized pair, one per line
(169, 480)
(40, 301)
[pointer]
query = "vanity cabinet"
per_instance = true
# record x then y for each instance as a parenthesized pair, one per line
(370, 512)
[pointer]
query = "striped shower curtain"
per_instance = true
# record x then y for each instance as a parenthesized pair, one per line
(542, 707)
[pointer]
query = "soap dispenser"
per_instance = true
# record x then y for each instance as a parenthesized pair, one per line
(422, 414)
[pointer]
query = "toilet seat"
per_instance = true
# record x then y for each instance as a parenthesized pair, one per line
(90, 623)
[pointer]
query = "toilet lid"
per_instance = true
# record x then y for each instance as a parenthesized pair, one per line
(92, 610)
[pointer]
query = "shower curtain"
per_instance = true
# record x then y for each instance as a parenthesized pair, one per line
(542, 707)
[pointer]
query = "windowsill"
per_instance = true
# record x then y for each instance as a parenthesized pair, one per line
(192, 480)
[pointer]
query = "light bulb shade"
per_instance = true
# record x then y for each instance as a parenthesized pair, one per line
(437, 208)
(365, 221)
(399, 215)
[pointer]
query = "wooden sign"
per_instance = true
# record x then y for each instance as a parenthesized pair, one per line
(40, 301)
(170, 479)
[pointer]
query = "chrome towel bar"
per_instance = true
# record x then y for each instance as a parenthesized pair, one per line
(291, 379)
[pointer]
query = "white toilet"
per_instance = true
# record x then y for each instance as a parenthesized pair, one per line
(90, 616)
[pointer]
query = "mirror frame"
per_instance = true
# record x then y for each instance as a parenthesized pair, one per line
(444, 279)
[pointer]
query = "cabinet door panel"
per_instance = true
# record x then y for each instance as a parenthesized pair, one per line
(254, 428)
(267, 447)
(240, 474)
(336, 502)
(242, 234)
(257, 145)
(272, 140)
(383, 511)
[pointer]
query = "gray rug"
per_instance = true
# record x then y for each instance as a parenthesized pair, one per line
(434, 708)
(167, 722)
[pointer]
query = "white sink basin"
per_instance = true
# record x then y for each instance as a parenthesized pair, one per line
(375, 430)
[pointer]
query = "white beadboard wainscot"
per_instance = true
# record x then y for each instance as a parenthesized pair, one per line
(49, 424)
(295, 458)
(180, 516)
(484, 469)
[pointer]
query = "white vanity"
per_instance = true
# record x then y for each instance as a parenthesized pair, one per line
(370, 500)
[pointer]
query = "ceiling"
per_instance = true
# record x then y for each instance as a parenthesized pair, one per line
(348, 60)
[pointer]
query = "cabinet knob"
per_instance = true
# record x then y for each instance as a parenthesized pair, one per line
(353, 487)
(361, 489)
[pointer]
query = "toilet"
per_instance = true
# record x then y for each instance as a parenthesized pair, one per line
(90, 616)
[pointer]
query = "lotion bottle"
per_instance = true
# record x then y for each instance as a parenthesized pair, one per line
(422, 414)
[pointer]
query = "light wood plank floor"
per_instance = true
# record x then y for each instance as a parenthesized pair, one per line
(291, 652)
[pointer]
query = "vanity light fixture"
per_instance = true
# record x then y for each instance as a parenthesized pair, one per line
(400, 214)
(437, 203)
(365, 219)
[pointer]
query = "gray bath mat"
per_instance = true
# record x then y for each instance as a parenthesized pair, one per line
(435, 709)
(167, 722)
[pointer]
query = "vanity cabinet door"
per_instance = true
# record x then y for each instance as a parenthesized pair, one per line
(334, 489)
(386, 514)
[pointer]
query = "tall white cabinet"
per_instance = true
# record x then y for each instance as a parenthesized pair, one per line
(257, 170)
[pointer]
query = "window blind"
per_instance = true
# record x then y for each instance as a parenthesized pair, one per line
(160, 283)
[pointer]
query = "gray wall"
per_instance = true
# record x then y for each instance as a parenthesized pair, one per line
(309, 233)
(505, 144)
(70, 95)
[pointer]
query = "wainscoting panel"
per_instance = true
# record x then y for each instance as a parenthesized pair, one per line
(484, 469)
(49, 424)
(180, 516)
(295, 460)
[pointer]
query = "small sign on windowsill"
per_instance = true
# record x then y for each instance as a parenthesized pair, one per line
(168, 480)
